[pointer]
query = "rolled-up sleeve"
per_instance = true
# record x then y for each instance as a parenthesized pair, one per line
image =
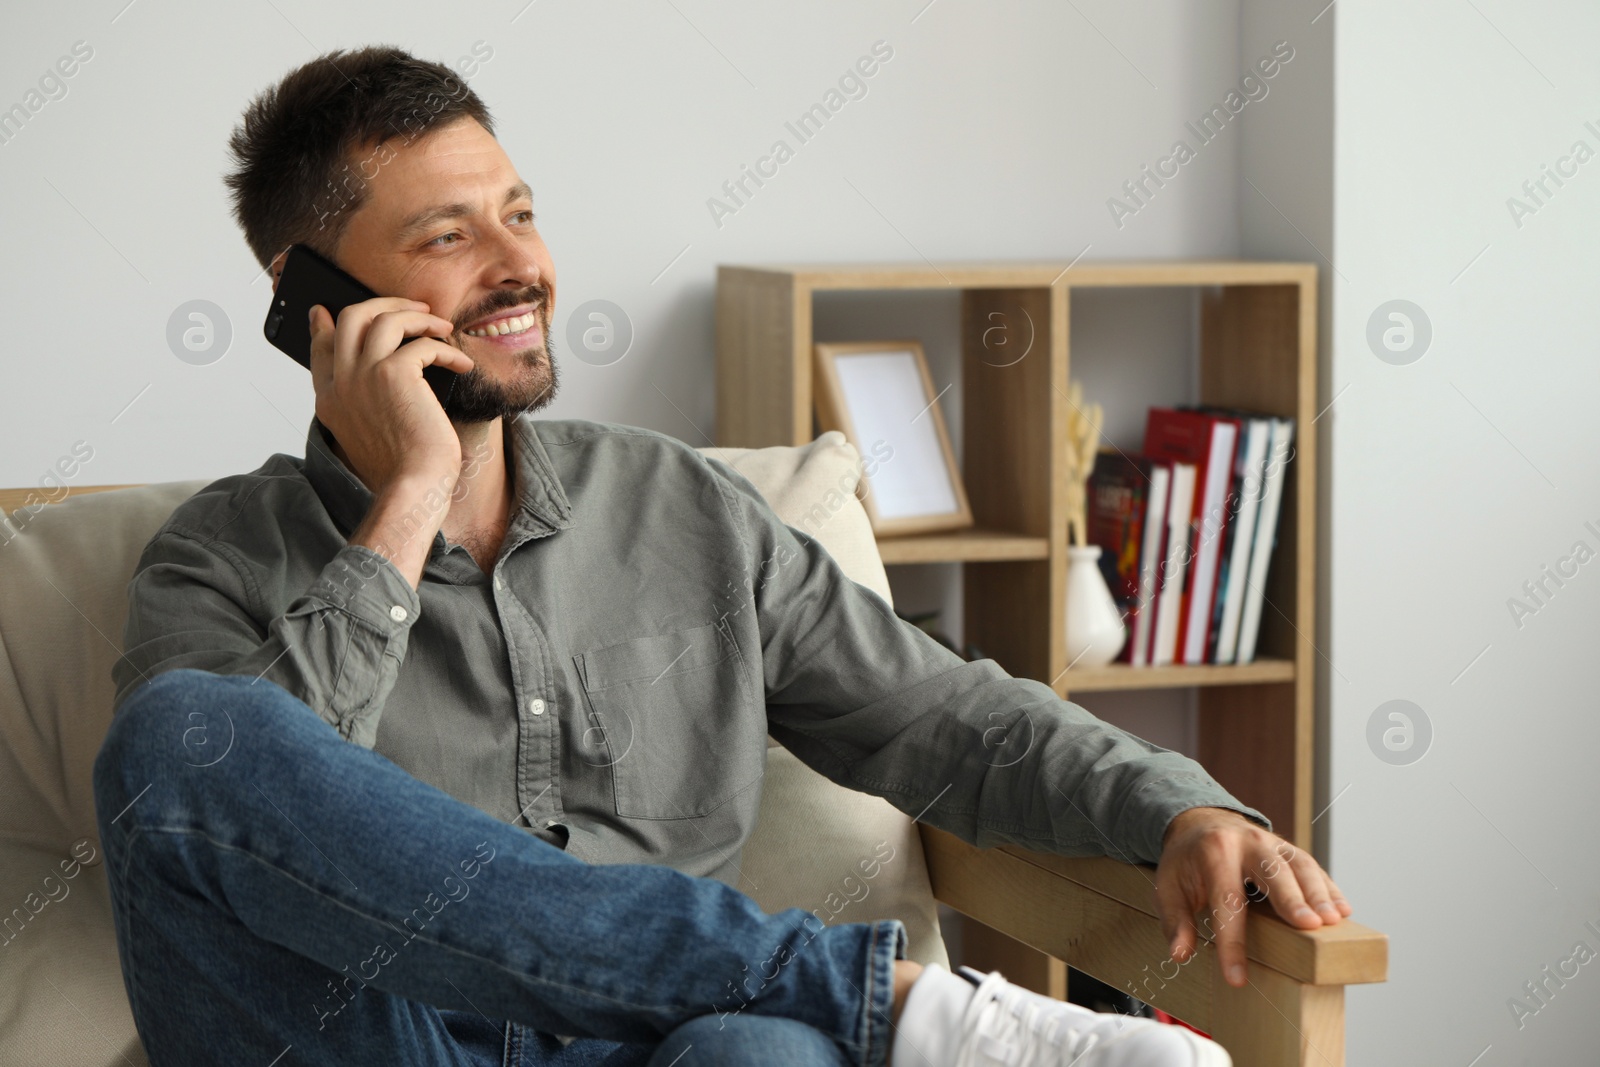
(875, 704)
(337, 647)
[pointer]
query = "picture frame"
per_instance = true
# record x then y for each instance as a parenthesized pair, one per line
(880, 395)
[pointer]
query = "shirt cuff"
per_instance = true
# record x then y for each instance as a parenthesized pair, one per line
(364, 584)
(1175, 795)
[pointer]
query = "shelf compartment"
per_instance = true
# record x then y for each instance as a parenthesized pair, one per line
(1121, 676)
(972, 545)
(1256, 348)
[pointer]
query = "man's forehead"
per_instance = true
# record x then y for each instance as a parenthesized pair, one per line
(457, 163)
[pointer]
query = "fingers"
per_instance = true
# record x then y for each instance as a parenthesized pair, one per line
(1281, 876)
(1337, 896)
(1322, 893)
(437, 352)
(1175, 908)
(321, 346)
(1225, 882)
(373, 330)
(1205, 863)
(353, 323)
(389, 329)
(369, 332)
(1300, 890)
(1314, 884)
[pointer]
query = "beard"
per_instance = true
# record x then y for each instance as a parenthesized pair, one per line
(531, 384)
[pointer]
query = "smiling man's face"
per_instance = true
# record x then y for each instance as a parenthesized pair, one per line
(448, 221)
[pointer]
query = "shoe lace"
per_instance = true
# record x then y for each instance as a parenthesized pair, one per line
(1004, 1022)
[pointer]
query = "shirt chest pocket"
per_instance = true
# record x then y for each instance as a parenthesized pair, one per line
(669, 715)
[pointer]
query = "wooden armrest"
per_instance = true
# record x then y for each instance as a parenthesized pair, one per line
(37, 497)
(1099, 916)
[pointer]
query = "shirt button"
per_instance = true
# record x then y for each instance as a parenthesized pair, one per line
(536, 706)
(498, 584)
(398, 613)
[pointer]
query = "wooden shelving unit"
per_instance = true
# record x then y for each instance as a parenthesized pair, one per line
(1121, 676)
(970, 545)
(1257, 350)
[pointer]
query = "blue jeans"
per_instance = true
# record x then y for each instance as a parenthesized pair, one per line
(280, 892)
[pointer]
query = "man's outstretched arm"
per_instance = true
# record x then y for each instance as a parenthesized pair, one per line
(875, 704)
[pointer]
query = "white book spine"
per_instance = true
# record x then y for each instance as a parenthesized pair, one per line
(1208, 534)
(1266, 535)
(1257, 434)
(1174, 565)
(1155, 520)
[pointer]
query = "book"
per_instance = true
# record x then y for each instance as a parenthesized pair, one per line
(1174, 563)
(1205, 440)
(1249, 474)
(1266, 536)
(1150, 570)
(1116, 505)
(1211, 525)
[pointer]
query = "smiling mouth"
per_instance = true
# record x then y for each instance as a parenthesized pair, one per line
(506, 327)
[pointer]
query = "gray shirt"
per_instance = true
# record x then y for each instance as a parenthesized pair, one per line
(611, 683)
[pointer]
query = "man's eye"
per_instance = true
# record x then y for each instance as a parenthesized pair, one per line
(526, 216)
(445, 238)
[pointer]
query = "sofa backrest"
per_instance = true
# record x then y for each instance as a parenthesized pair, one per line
(63, 578)
(64, 570)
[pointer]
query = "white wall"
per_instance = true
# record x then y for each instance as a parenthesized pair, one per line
(1456, 478)
(994, 131)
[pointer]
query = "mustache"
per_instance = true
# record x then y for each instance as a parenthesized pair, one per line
(503, 299)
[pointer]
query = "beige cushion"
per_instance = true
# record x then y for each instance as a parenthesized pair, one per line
(812, 488)
(63, 596)
(844, 855)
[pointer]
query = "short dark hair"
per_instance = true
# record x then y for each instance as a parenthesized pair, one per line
(297, 178)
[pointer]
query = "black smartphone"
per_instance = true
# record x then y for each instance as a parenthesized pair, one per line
(307, 280)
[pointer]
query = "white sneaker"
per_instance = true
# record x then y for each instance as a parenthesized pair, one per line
(998, 1023)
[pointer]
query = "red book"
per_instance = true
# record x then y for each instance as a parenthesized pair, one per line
(1207, 441)
(1117, 492)
(1173, 1020)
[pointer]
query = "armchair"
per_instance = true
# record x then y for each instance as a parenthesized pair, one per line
(65, 560)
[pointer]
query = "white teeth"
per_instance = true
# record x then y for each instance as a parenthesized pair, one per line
(505, 326)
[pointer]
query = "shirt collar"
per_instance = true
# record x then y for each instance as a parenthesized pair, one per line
(539, 493)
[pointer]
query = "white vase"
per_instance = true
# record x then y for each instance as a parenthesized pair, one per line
(1095, 630)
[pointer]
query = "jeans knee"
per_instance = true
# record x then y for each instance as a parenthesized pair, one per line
(739, 1040)
(179, 719)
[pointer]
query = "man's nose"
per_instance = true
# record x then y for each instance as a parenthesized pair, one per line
(512, 264)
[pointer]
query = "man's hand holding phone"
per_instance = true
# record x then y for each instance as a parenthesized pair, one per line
(372, 397)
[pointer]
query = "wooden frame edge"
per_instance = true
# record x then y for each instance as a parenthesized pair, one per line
(833, 414)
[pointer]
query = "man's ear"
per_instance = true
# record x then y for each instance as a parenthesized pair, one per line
(276, 267)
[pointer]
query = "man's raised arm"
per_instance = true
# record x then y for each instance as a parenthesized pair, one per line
(195, 601)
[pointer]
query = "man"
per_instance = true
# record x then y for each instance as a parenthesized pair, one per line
(439, 745)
